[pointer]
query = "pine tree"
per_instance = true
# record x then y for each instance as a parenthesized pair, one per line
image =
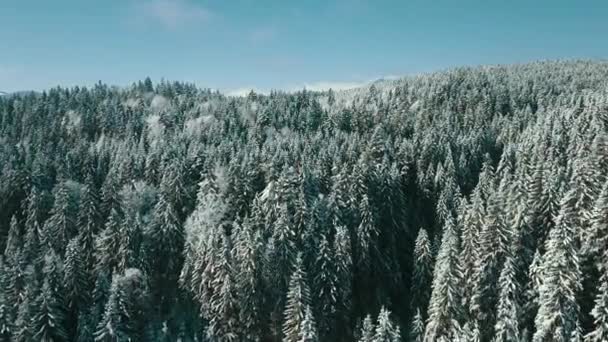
(417, 328)
(248, 280)
(61, 226)
(49, 323)
(31, 241)
(472, 223)
(14, 239)
(596, 237)
(344, 269)
(298, 299)
(508, 310)
(326, 289)
(600, 310)
(75, 283)
(386, 331)
(367, 330)
(89, 223)
(308, 333)
(422, 275)
(107, 244)
(224, 308)
(557, 317)
(281, 254)
(163, 245)
(444, 308)
(125, 311)
(28, 309)
(495, 239)
(6, 308)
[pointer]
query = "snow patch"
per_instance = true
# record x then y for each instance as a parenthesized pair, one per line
(155, 127)
(159, 103)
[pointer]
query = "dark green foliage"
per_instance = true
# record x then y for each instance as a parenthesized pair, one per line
(212, 198)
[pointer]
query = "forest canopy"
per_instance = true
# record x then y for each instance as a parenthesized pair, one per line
(463, 205)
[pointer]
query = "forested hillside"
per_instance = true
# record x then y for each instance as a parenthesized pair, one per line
(465, 205)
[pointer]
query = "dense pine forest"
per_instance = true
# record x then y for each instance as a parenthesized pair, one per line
(464, 205)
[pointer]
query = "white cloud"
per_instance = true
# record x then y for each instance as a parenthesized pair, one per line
(326, 85)
(243, 91)
(313, 86)
(174, 13)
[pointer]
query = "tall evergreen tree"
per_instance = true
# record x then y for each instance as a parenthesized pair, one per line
(49, 323)
(600, 311)
(417, 328)
(557, 317)
(445, 311)
(422, 275)
(298, 299)
(367, 330)
(386, 331)
(224, 308)
(308, 333)
(508, 308)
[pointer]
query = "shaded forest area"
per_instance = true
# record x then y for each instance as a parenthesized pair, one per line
(465, 205)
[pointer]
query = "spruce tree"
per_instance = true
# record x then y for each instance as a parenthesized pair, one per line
(445, 310)
(248, 280)
(49, 322)
(557, 317)
(126, 308)
(326, 289)
(600, 310)
(386, 330)
(367, 330)
(417, 328)
(224, 309)
(6, 308)
(308, 333)
(422, 275)
(298, 299)
(508, 308)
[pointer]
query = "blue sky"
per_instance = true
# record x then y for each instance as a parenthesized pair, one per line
(263, 44)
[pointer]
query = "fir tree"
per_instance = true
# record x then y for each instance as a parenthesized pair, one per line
(600, 311)
(123, 319)
(386, 331)
(445, 311)
(49, 322)
(508, 310)
(308, 332)
(326, 288)
(298, 299)
(224, 309)
(557, 317)
(417, 328)
(367, 330)
(248, 280)
(422, 275)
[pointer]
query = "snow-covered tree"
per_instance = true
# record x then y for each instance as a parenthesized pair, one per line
(445, 311)
(558, 313)
(298, 299)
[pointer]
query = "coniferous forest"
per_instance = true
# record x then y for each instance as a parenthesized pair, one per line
(464, 205)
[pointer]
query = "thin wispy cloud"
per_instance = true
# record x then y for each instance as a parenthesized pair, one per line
(239, 92)
(313, 86)
(172, 14)
(326, 85)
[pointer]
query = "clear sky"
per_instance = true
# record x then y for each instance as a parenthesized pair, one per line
(282, 44)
